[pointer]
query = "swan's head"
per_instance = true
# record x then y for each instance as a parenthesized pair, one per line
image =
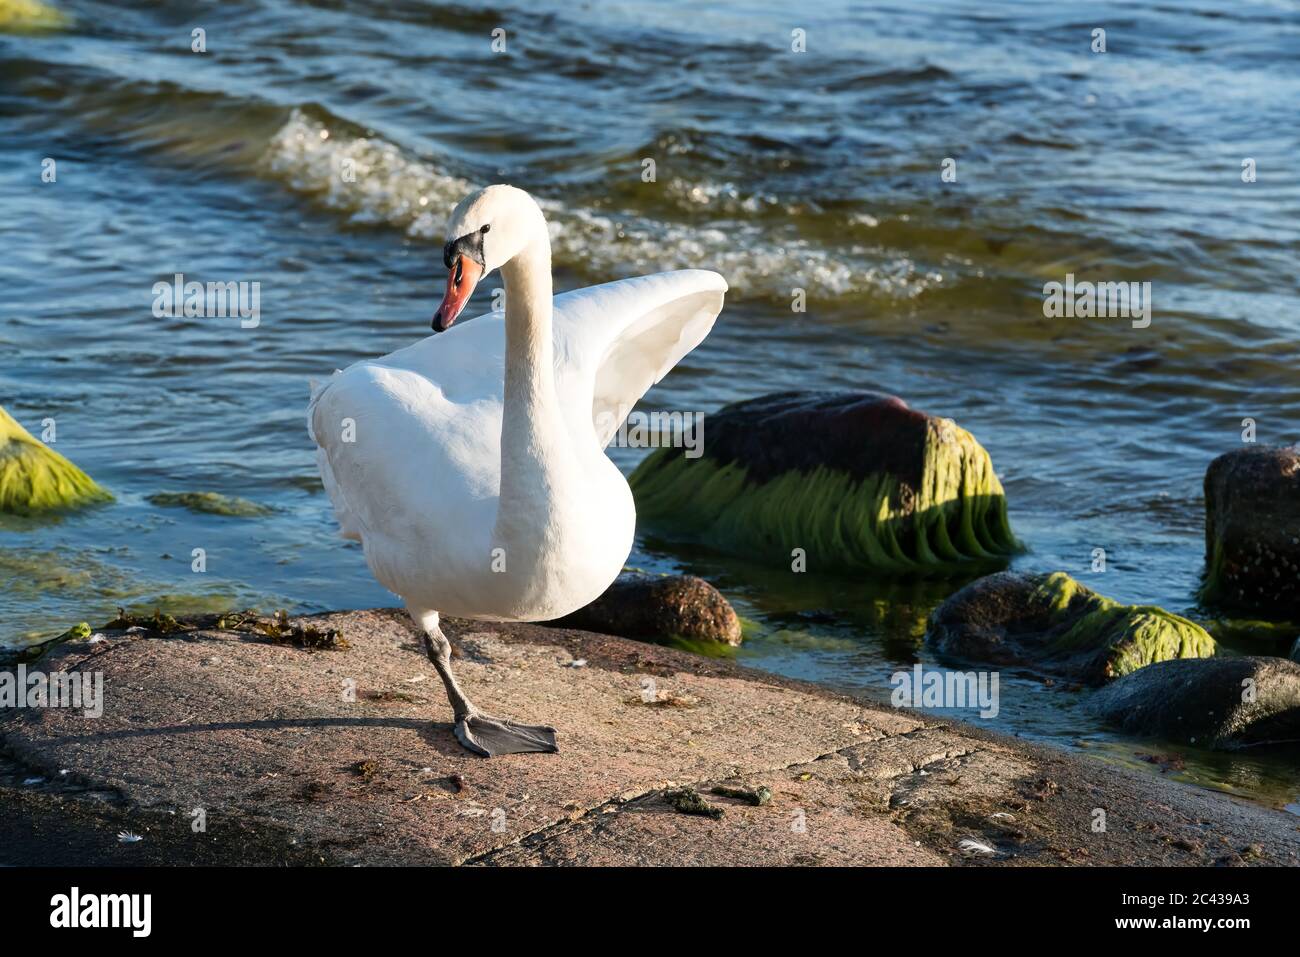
(487, 229)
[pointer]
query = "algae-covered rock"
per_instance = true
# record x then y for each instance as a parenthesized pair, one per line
(1215, 703)
(30, 16)
(854, 479)
(1252, 530)
(210, 503)
(1253, 636)
(1058, 625)
(660, 608)
(35, 478)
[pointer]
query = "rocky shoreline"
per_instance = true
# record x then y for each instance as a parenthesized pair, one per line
(289, 755)
(327, 739)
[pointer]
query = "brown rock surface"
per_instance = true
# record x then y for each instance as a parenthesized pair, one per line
(288, 769)
(659, 608)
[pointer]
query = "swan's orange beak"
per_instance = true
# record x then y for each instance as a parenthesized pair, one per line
(461, 280)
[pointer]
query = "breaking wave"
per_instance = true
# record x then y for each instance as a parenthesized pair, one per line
(374, 182)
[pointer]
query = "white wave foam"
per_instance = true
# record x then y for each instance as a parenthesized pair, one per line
(415, 196)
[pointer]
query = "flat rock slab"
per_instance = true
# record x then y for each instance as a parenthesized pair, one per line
(347, 757)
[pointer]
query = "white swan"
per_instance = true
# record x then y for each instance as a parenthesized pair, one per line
(471, 465)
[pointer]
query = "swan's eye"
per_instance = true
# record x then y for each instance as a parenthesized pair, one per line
(471, 245)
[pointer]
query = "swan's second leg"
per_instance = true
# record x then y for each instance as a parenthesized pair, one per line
(479, 732)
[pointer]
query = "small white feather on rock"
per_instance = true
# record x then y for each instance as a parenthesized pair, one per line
(969, 845)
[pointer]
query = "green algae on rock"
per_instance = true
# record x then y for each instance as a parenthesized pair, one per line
(1058, 625)
(1253, 635)
(27, 654)
(30, 16)
(1252, 531)
(35, 478)
(211, 503)
(854, 479)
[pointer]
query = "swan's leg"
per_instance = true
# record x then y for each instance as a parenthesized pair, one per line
(480, 733)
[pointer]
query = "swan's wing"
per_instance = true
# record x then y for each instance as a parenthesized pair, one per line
(434, 408)
(614, 341)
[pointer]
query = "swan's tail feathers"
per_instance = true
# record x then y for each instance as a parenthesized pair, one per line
(316, 389)
(35, 478)
(349, 524)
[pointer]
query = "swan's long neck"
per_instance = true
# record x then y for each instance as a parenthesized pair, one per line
(534, 443)
(530, 361)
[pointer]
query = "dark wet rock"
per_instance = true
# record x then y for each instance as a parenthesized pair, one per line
(1211, 702)
(660, 608)
(1053, 623)
(853, 479)
(1252, 530)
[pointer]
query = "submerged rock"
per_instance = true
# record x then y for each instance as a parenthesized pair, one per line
(854, 479)
(1252, 530)
(1056, 624)
(1216, 702)
(1254, 636)
(210, 503)
(660, 608)
(35, 478)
